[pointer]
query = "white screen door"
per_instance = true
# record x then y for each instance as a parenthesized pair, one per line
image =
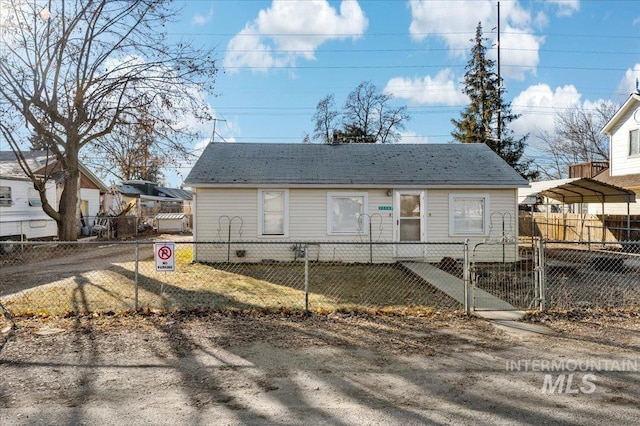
(409, 221)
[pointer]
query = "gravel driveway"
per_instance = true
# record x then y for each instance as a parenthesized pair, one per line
(338, 369)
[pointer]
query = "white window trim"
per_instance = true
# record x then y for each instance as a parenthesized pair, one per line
(261, 211)
(485, 221)
(365, 208)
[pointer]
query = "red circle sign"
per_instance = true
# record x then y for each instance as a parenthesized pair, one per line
(164, 252)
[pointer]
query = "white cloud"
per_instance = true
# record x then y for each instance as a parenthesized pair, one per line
(628, 83)
(566, 7)
(199, 19)
(441, 89)
(518, 44)
(288, 30)
(519, 54)
(538, 106)
(435, 18)
(412, 137)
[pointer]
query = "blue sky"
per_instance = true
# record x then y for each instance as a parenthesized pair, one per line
(279, 58)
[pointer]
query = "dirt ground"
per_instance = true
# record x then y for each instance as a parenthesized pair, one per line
(338, 369)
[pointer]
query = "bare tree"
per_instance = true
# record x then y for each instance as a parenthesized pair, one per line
(134, 152)
(576, 138)
(366, 118)
(73, 72)
(325, 118)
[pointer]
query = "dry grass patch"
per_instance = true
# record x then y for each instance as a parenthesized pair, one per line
(235, 286)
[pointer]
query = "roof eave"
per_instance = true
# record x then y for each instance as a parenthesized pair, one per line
(471, 185)
(623, 110)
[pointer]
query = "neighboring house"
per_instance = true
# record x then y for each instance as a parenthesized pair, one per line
(322, 192)
(624, 155)
(148, 199)
(21, 214)
(92, 189)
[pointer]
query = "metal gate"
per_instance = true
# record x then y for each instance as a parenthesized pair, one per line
(507, 276)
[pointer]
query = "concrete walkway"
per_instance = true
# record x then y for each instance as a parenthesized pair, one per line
(503, 315)
(509, 321)
(454, 286)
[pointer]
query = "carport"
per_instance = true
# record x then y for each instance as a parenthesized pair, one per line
(586, 190)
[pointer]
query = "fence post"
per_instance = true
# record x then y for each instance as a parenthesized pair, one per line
(466, 271)
(542, 276)
(306, 280)
(135, 282)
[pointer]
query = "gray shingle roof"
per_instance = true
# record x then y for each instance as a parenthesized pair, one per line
(352, 164)
(178, 193)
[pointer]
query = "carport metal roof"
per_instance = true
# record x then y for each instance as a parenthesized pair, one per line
(586, 190)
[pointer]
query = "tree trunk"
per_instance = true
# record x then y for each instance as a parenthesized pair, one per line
(68, 227)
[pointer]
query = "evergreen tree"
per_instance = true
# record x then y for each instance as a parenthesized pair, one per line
(487, 116)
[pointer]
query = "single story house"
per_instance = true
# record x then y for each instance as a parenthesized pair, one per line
(395, 193)
(26, 203)
(148, 199)
(21, 214)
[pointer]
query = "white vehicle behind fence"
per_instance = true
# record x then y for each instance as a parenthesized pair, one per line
(21, 214)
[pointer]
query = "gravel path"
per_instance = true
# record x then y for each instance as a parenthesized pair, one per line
(338, 369)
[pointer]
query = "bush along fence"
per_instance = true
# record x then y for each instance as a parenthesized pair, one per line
(93, 276)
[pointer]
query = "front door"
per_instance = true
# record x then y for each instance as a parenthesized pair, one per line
(409, 223)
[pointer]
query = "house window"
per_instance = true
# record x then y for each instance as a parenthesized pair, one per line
(345, 213)
(468, 214)
(634, 142)
(34, 198)
(273, 212)
(5, 196)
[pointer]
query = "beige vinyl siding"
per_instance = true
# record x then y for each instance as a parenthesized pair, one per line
(308, 215)
(216, 206)
(307, 211)
(502, 203)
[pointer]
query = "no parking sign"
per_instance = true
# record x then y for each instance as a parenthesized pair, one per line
(164, 254)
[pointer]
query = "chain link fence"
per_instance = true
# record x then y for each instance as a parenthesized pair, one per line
(96, 276)
(592, 275)
(58, 278)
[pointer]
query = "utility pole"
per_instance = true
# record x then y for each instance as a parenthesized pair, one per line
(499, 127)
(213, 135)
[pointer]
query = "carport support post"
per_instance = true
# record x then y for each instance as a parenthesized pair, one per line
(135, 282)
(466, 271)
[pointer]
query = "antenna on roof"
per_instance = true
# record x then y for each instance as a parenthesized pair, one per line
(213, 134)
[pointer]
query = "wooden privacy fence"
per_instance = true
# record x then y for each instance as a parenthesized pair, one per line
(579, 227)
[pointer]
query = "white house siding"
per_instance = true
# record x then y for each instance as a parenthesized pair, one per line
(615, 208)
(216, 208)
(92, 196)
(20, 220)
(621, 163)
